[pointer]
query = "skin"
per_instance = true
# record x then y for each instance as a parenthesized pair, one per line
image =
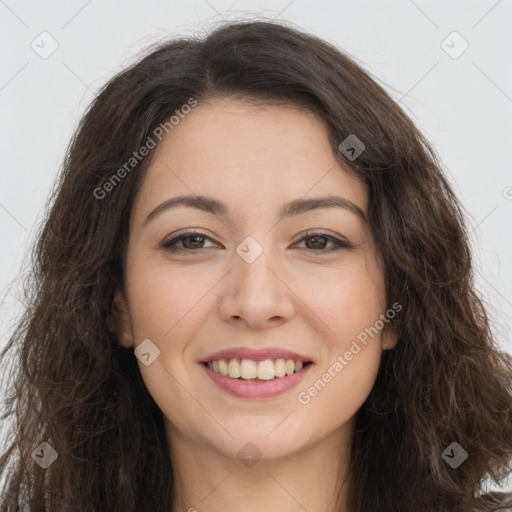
(294, 295)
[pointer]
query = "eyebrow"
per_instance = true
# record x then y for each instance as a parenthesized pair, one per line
(295, 207)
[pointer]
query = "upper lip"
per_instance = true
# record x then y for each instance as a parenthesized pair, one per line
(255, 354)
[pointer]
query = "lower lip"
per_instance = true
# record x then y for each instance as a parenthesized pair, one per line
(256, 389)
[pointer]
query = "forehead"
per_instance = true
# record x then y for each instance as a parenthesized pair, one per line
(247, 154)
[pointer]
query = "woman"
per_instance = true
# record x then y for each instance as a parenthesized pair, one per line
(254, 291)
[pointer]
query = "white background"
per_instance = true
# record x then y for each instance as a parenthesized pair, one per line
(463, 104)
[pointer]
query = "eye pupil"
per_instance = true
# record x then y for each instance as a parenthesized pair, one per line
(315, 245)
(190, 238)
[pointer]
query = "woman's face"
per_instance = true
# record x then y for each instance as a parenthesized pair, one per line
(251, 280)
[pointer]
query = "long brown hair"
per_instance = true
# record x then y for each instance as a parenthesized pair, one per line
(74, 387)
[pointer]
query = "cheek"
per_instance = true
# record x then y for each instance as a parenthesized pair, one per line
(338, 399)
(165, 299)
(165, 304)
(349, 302)
(350, 308)
(347, 373)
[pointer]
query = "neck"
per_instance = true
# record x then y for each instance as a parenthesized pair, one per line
(309, 479)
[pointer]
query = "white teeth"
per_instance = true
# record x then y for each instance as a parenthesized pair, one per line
(266, 369)
(223, 367)
(280, 368)
(249, 369)
(234, 369)
(290, 366)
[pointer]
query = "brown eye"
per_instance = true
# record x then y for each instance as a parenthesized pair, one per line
(194, 242)
(318, 242)
(191, 241)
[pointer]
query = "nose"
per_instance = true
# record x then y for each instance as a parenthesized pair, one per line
(256, 294)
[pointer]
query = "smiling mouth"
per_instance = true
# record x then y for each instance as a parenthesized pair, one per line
(249, 370)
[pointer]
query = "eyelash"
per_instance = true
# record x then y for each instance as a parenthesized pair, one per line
(170, 245)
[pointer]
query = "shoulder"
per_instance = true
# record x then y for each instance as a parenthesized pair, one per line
(495, 502)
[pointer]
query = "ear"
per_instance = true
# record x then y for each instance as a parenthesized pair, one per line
(122, 321)
(390, 336)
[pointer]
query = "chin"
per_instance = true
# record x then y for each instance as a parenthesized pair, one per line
(255, 441)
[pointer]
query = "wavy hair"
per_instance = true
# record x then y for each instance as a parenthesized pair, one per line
(74, 387)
